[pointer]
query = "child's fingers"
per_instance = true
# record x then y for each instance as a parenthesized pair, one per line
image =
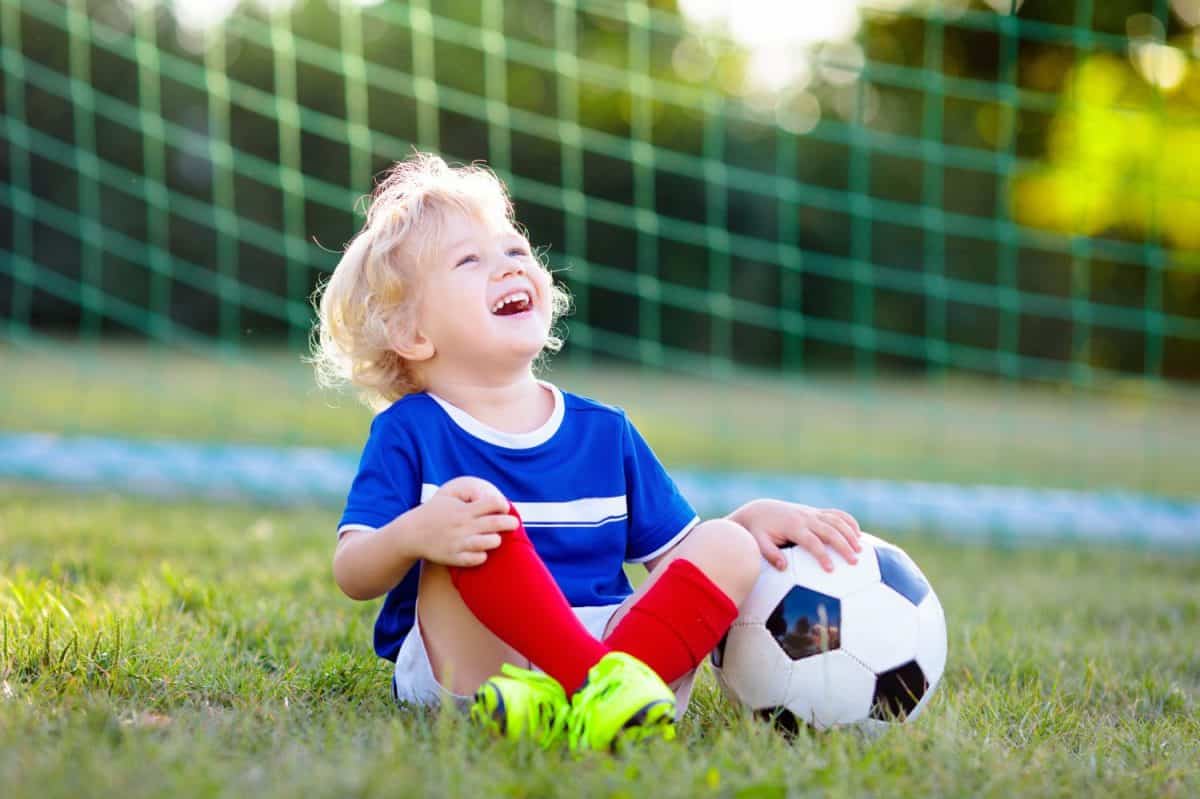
(482, 542)
(813, 544)
(468, 559)
(482, 496)
(842, 526)
(772, 553)
(489, 500)
(496, 523)
(497, 502)
(850, 520)
(834, 538)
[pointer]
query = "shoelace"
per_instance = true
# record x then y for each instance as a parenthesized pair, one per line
(598, 687)
(601, 682)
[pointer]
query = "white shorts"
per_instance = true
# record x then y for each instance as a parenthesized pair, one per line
(413, 681)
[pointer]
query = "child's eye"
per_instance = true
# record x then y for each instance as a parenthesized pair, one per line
(520, 252)
(466, 259)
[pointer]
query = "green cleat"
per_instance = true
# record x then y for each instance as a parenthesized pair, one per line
(622, 701)
(518, 703)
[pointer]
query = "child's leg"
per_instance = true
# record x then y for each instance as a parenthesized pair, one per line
(462, 652)
(514, 596)
(687, 603)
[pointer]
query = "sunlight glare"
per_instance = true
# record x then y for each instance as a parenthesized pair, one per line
(781, 39)
(1160, 64)
(275, 6)
(798, 112)
(772, 69)
(840, 63)
(1187, 10)
(1005, 6)
(202, 17)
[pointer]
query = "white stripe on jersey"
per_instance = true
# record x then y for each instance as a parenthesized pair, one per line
(587, 512)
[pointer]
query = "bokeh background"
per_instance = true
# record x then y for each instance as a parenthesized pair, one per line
(936, 262)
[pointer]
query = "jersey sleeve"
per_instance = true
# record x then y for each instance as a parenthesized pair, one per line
(658, 514)
(387, 482)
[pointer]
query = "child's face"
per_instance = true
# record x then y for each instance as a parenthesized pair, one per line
(485, 301)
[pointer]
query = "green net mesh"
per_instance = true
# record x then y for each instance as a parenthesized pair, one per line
(941, 191)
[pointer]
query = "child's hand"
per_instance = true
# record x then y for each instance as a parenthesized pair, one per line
(462, 521)
(773, 522)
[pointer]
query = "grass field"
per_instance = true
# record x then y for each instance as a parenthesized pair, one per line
(189, 650)
(151, 648)
(1136, 436)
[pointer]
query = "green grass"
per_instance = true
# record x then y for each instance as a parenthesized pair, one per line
(154, 649)
(1140, 436)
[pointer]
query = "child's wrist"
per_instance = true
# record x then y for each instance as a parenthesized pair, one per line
(405, 534)
(742, 514)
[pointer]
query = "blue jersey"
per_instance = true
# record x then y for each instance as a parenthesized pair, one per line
(591, 493)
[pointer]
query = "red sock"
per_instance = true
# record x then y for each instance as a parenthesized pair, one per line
(514, 596)
(679, 620)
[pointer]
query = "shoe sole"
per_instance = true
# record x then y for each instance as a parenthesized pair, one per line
(655, 720)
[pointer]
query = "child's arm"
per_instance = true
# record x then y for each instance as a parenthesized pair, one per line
(367, 563)
(456, 527)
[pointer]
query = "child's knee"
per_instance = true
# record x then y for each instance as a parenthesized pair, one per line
(726, 551)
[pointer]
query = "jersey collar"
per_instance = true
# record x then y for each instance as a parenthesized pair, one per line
(472, 426)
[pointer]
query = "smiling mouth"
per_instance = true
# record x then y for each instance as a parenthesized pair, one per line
(513, 303)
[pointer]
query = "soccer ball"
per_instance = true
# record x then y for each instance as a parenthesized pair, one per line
(863, 645)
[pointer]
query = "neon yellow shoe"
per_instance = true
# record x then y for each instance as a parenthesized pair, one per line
(519, 703)
(622, 701)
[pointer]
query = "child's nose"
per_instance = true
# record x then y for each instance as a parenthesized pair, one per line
(509, 267)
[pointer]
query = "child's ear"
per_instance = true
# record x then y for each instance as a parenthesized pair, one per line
(412, 345)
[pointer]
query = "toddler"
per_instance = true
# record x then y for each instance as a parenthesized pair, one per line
(496, 511)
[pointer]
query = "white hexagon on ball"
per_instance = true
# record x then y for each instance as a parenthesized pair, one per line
(756, 652)
(879, 628)
(845, 579)
(829, 689)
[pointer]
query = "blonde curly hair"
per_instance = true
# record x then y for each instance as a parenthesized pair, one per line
(371, 296)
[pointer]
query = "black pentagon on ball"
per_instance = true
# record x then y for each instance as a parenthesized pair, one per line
(898, 572)
(783, 719)
(898, 691)
(806, 623)
(718, 653)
